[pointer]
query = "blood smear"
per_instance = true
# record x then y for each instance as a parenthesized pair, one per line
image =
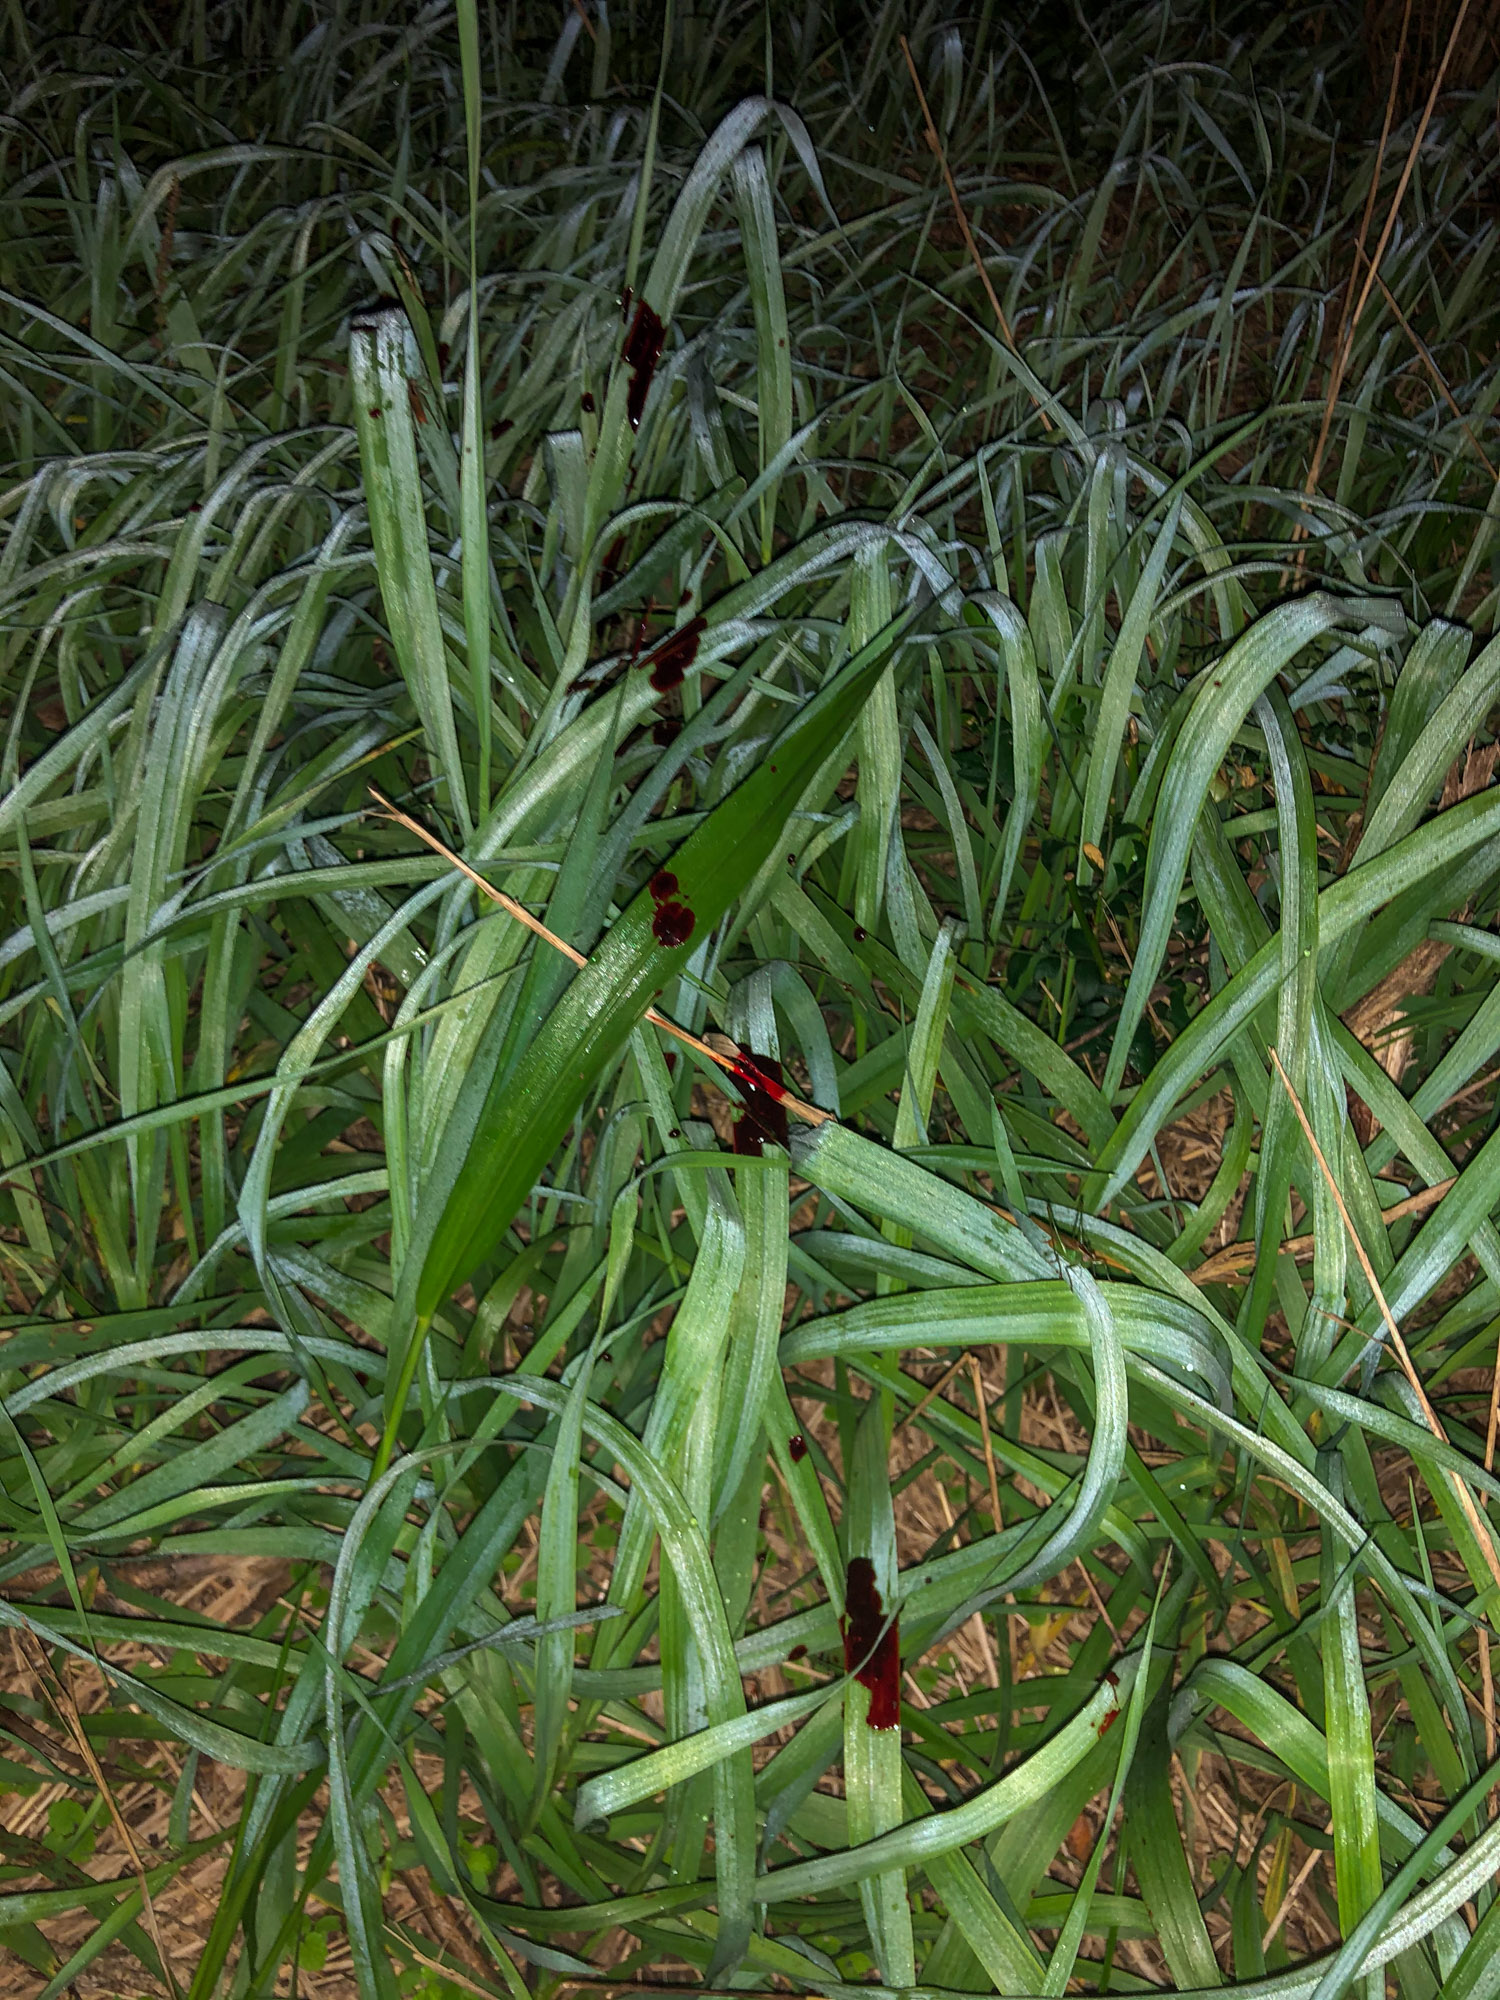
(763, 1116)
(671, 659)
(641, 352)
(872, 1648)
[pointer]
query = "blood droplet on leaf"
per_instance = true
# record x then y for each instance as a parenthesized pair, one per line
(796, 1446)
(672, 925)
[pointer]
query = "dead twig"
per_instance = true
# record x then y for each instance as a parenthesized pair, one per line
(1234, 1259)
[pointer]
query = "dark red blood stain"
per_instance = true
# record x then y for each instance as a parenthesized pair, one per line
(762, 1073)
(609, 569)
(860, 933)
(665, 732)
(872, 1648)
(374, 409)
(675, 1133)
(671, 659)
(499, 427)
(763, 1116)
(791, 861)
(625, 299)
(686, 597)
(796, 1446)
(196, 508)
(672, 925)
(663, 886)
(797, 1653)
(588, 403)
(641, 352)
(443, 352)
(671, 1061)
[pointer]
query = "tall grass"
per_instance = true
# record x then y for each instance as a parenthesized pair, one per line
(953, 1538)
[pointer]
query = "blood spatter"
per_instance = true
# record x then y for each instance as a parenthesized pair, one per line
(666, 732)
(791, 861)
(443, 353)
(797, 1653)
(641, 352)
(686, 597)
(374, 409)
(671, 1060)
(675, 1133)
(872, 1647)
(672, 925)
(588, 403)
(625, 298)
(499, 427)
(670, 660)
(1113, 1716)
(860, 933)
(796, 1446)
(763, 1116)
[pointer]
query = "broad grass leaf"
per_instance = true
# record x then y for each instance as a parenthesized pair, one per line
(518, 1127)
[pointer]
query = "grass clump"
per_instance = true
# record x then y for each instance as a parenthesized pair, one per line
(969, 1470)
